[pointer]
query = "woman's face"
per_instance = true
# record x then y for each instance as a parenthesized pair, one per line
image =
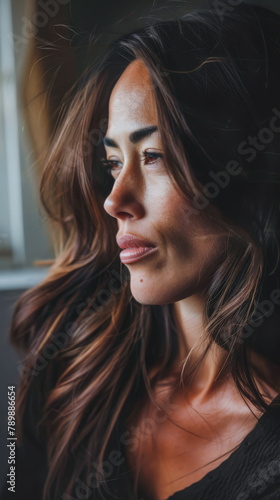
(146, 204)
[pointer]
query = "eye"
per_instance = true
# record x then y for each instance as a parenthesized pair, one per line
(150, 157)
(112, 164)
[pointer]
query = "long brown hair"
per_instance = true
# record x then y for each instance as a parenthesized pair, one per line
(82, 317)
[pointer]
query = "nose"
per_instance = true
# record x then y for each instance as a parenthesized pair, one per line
(124, 201)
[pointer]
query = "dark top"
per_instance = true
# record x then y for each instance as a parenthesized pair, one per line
(251, 472)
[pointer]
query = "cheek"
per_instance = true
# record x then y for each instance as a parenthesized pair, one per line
(171, 214)
(187, 233)
(165, 203)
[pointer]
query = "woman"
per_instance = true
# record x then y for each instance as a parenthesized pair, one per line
(154, 372)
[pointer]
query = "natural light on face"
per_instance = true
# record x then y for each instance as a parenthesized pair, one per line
(146, 204)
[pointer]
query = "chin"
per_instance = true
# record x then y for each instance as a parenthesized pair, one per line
(157, 291)
(145, 293)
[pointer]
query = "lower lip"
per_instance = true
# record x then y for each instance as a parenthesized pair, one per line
(130, 255)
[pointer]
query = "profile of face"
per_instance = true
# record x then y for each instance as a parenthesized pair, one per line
(146, 203)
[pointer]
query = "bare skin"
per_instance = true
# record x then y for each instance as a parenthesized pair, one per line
(145, 203)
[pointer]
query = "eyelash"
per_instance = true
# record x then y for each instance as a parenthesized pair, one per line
(144, 156)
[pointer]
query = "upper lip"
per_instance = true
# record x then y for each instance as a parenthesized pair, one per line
(132, 241)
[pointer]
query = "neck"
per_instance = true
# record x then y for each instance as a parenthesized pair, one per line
(193, 339)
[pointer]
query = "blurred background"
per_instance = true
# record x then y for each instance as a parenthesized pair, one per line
(43, 49)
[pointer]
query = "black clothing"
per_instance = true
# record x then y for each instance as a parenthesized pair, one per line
(252, 472)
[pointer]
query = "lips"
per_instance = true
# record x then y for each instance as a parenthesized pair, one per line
(134, 248)
(131, 241)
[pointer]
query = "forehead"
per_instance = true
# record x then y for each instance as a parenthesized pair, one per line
(132, 97)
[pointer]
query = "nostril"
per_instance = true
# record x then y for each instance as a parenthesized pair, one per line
(122, 215)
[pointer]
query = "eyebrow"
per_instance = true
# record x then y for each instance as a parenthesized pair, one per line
(134, 137)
